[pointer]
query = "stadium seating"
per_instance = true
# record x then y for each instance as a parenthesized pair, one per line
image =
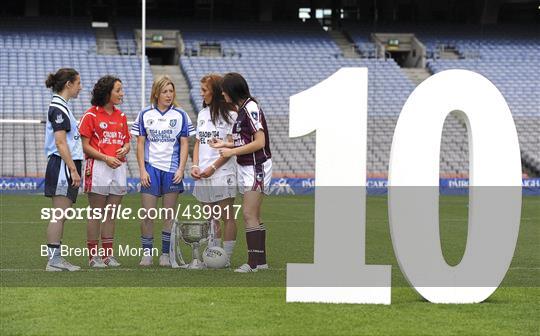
(46, 35)
(37, 65)
(273, 59)
(388, 89)
(278, 60)
(263, 40)
(28, 52)
(282, 47)
(513, 65)
(126, 38)
(508, 55)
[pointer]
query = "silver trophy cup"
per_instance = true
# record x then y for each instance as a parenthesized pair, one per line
(194, 234)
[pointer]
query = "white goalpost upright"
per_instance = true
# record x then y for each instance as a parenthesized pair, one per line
(143, 53)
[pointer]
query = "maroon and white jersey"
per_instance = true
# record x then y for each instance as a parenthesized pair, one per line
(250, 120)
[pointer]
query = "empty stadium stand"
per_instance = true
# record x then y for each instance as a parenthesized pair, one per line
(28, 52)
(278, 60)
(508, 55)
(388, 89)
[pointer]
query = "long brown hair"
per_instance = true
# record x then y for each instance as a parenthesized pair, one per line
(218, 107)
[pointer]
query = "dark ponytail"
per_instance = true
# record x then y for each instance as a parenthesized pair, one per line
(58, 80)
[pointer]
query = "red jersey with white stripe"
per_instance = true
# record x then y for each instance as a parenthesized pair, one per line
(107, 132)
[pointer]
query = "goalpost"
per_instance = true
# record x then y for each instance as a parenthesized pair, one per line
(143, 77)
(143, 52)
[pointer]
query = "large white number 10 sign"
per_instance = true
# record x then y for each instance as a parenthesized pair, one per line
(336, 109)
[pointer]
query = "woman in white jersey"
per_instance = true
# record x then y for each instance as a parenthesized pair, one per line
(64, 150)
(162, 131)
(215, 176)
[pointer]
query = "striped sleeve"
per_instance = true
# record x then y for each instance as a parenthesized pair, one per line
(190, 129)
(137, 129)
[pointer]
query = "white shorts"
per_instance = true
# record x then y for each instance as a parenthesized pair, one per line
(215, 189)
(102, 179)
(255, 178)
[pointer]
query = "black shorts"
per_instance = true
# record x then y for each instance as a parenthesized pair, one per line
(58, 178)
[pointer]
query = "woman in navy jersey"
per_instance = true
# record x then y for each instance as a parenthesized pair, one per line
(251, 145)
(64, 150)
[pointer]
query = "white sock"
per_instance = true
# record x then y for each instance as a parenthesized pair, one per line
(228, 246)
(214, 241)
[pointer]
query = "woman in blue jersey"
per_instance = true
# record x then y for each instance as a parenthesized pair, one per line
(64, 150)
(251, 146)
(162, 131)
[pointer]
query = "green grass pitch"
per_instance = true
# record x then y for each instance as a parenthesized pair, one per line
(132, 300)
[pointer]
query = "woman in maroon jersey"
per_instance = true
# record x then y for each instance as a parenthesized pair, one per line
(251, 145)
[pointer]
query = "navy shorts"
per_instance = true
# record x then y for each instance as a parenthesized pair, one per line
(58, 178)
(161, 182)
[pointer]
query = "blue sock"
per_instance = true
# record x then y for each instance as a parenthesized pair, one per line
(166, 241)
(147, 243)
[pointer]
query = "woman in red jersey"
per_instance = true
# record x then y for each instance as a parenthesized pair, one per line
(105, 139)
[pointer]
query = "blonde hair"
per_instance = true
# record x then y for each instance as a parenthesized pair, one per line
(159, 84)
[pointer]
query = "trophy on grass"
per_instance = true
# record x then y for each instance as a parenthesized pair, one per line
(192, 233)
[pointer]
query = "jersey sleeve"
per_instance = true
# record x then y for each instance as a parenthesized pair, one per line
(187, 127)
(138, 129)
(197, 130)
(191, 128)
(254, 116)
(234, 116)
(86, 125)
(58, 119)
(126, 129)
